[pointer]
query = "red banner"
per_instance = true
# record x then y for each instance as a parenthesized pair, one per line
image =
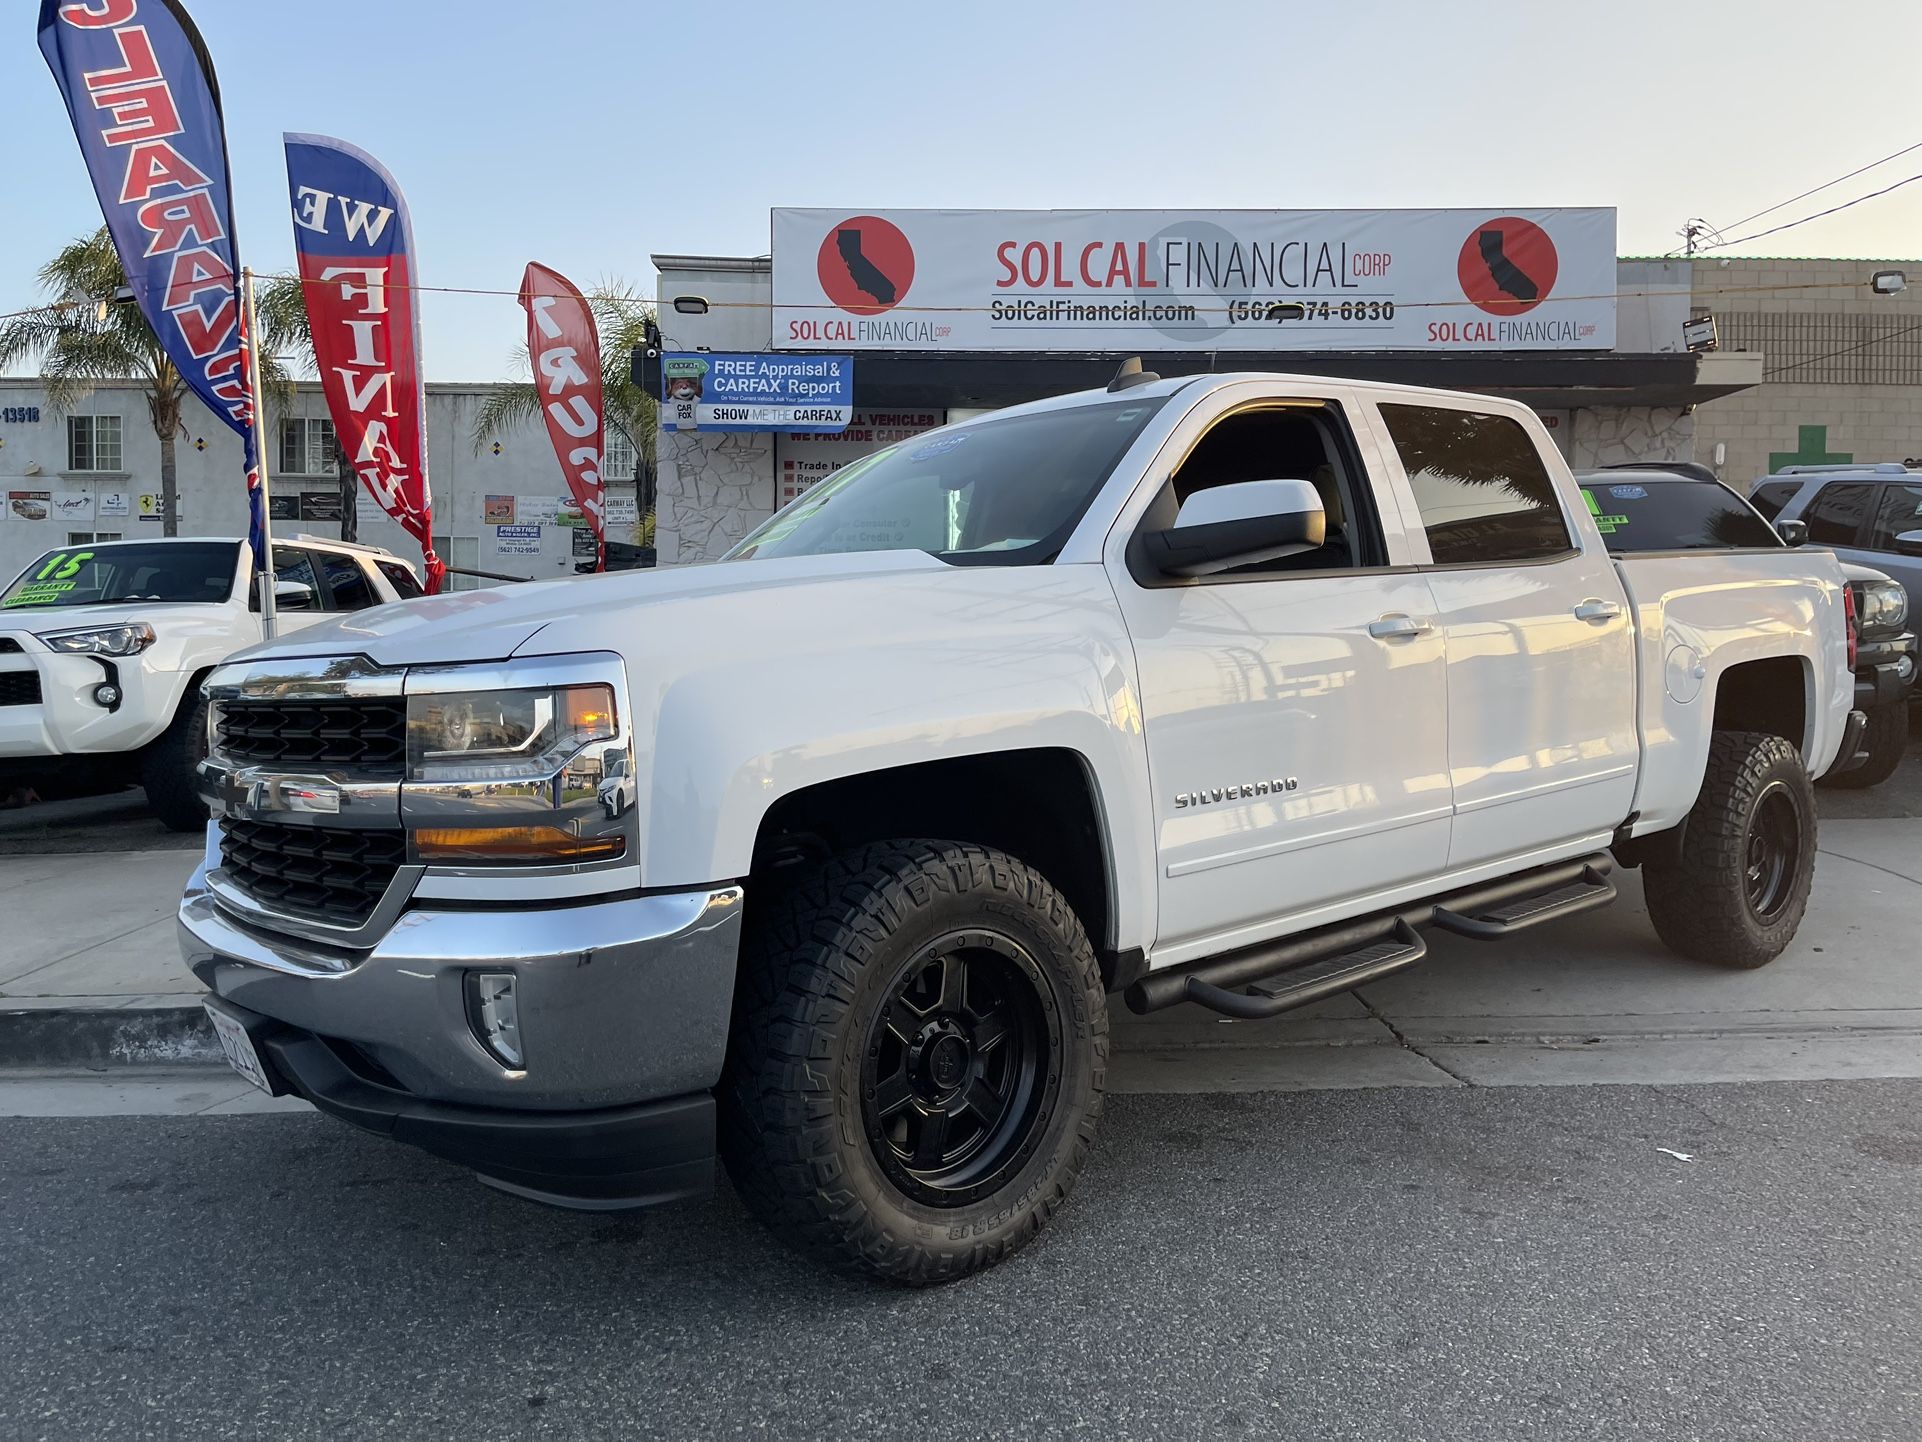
(565, 352)
(356, 249)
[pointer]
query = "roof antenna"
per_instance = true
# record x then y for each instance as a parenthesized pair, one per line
(1131, 374)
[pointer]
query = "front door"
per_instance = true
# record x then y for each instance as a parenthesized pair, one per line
(1292, 711)
(1542, 745)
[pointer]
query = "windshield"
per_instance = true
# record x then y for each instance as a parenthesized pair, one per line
(994, 492)
(134, 571)
(1673, 516)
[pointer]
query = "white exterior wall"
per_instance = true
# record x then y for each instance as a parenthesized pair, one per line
(213, 496)
(713, 489)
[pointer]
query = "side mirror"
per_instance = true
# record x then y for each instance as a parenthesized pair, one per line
(1238, 525)
(1793, 533)
(1909, 543)
(293, 596)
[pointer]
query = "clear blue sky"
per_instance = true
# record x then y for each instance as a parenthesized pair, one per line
(587, 133)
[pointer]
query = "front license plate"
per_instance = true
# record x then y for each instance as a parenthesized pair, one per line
(239, 1047)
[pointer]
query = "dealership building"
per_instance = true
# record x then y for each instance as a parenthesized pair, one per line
(975, 310)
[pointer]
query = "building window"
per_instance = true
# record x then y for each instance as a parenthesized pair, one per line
(91, 538)
(617, 461)
(93, 443)
(306, 447)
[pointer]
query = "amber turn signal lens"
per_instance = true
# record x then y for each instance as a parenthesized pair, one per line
(513, 843)
(590, 710)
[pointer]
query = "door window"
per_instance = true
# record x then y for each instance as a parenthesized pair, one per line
(347, 582)
(1306, 442)
(1480, 486)
(1901, 510)
(1770, 498)
(1835, 518)
(297, 566)
(406, 585)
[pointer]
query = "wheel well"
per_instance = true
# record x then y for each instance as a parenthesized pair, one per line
(1037, 804)
(1768, 695)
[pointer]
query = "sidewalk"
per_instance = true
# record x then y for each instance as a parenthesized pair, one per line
(89, 975)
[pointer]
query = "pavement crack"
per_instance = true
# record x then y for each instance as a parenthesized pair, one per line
(1402, 1040)
(1899, 876)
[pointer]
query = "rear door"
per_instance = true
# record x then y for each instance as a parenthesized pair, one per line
(1542, 746)
(1898, 510)
(1291, 711)
(301, 566)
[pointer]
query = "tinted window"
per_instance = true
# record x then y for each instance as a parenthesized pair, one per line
(1673, 516)
(403, 580)
(1002, 492)
(1901, 510)
(347, 581)
(1770, 498)
(1836, 515)
(298, 567)
(131, 571)
(1479, 482)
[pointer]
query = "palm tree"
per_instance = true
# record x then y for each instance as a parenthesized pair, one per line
(286, 330)
(82, 336)
(621, 316)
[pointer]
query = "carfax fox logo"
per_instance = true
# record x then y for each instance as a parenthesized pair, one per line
(1507, 265)
(683, 379)
(866, 265)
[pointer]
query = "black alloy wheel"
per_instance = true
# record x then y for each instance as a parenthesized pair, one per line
(961, 1068)
(1773, 851)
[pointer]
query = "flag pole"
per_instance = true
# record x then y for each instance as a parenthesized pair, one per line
(264, 577)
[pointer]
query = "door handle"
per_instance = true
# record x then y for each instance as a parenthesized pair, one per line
(1398, 628)
(1596, 611)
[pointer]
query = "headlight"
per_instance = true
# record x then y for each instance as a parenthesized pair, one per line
(1884, 605)
(128, 640)
(501, 735)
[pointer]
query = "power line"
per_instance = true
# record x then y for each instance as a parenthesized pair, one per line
(1737, 225)
(1790, 225)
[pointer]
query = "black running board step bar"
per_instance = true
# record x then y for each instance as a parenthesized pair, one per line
(1343, 956)
(1315, 979)
(1591, 889)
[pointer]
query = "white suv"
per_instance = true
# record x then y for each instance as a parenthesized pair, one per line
(103, 648)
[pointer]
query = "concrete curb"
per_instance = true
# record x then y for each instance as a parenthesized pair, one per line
(91, 1037)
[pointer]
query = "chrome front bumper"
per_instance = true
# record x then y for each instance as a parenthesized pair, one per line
(620, 1001)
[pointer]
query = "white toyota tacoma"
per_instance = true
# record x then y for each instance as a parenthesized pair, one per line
(103, 648)
(1220, 690)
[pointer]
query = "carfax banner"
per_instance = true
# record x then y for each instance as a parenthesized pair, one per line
(1131, 281)
(703, 392)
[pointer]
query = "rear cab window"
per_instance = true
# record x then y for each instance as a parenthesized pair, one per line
(1672, 515)
(1484, 494)
(406, 585)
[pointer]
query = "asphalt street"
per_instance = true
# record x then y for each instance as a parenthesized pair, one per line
(1611, 1262)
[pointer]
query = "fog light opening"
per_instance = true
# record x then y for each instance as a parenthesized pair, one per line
(106, 694)
(495, 1015)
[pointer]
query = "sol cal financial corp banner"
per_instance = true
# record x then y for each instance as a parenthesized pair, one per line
(1128, 281)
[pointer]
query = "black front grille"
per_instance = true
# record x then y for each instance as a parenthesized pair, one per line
(9, 646)
(368, 738)
(19, 688)
(327, 875)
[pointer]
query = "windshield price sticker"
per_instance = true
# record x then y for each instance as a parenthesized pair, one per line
(757, 392)
(39, 593)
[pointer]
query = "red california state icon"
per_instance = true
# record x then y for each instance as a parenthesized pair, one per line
(866, 265)
(1507, 265)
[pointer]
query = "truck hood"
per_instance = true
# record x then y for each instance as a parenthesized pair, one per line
(180, 615)
(493, 624)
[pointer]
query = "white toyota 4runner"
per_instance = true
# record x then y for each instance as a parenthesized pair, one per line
(1218, 690)
(103, 648)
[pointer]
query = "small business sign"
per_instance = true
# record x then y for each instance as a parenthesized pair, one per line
(703, 392)
(518, 540)
(115, 503)
(29, 505)
(320, 505)
(1699, 333)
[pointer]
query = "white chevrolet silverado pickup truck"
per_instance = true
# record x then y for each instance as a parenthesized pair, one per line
(103, 648)
(1220, 690)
